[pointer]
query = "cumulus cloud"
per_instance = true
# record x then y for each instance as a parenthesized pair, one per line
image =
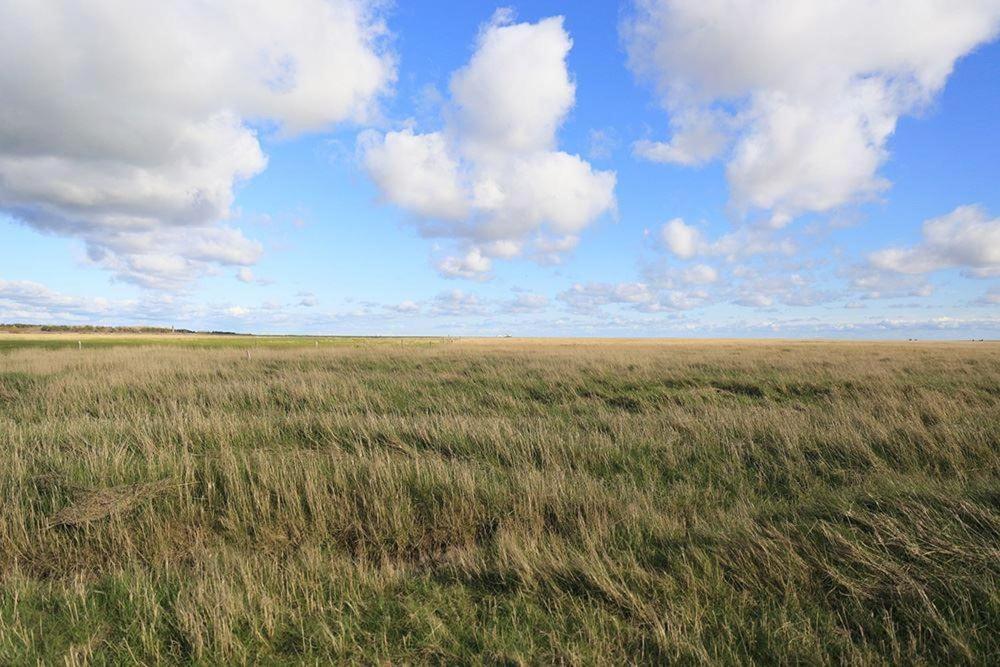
(757, 283)
(799, 98)
(526, 302)
(128, 124)
(765, 288)
(590, 297)
(492, 180)
(593, 295)
(416, 172)
(21, 297)
(682, 239)
(874, 283)
(700, 274)
(686, 241)
(27, 301)
(697, 139)
(965, 238)
(456, 302)
(474, 265)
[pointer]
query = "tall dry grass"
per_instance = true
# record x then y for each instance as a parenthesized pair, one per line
(504, 501)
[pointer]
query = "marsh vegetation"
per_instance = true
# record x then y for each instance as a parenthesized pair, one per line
(501, 501)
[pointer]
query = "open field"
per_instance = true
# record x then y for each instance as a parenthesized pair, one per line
(169, 499)
(59, 341)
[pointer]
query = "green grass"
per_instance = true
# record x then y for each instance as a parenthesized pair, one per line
(12, 342)
(463, 501)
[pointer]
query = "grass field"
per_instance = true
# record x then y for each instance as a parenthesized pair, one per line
(172, 500)
(9, 342)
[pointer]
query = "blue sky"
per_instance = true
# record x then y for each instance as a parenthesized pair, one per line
(651, 168)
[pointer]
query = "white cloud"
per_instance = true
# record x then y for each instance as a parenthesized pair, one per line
(407, 307)
(700, 274)
(686, 242)
(515, 91)
(245, 275)
(550, 249)
(589, 297)
(22, 296)
(492, 179)
(127, 124)
(682, 239)
(525, 303)
(876, 283)
(755, 300)
(31, 302)
(456, 302)
(936, 327)
(169, 257)
(763, 291)
(801, 97)
(967, 238)
(417, 173)
(758, 283)
(474, 265)
(697, 139)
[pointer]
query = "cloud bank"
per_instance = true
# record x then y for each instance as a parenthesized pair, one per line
(798, 98)
(128, 124)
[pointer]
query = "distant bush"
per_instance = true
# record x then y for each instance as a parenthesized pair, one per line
(20, 327)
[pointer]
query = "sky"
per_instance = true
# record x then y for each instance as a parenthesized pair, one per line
(654, 168)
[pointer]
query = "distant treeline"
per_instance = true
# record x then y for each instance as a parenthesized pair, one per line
(18, 327)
